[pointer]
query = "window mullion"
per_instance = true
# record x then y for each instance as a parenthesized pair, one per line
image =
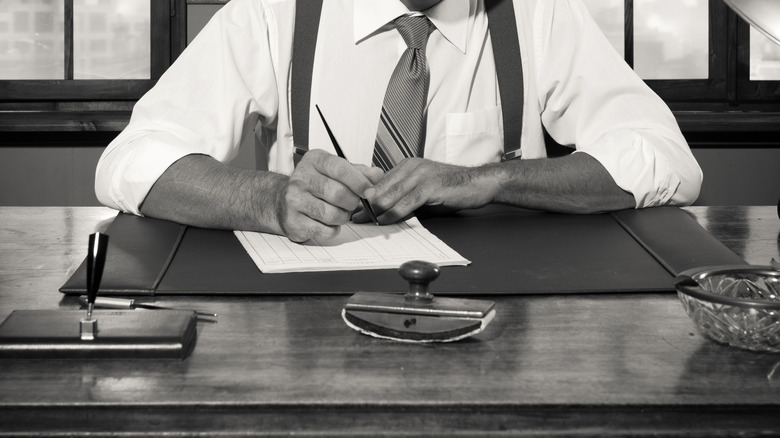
(732, 56)
(161, 18)
(69, 40)
(628, 33)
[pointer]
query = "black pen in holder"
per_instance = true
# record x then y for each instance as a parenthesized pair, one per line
(96, 260)
(52, 333)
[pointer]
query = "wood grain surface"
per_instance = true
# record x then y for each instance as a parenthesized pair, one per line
(585, 365)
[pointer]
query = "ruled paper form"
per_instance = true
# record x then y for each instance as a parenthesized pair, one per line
(358, 246)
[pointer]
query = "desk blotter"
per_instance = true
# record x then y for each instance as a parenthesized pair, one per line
(513, 251)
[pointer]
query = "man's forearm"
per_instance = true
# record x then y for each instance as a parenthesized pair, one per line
(199, 190)
(576, 183)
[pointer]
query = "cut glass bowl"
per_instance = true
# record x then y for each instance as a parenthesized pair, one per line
(734, 305)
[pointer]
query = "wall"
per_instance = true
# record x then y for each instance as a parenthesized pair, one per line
(59, 175)
(47, 175)
(739, 176)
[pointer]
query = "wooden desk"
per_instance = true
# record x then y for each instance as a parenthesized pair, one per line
(586, 365)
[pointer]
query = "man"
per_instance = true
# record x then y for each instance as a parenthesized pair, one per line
(168, 163)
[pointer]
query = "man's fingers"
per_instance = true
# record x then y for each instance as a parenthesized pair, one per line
(417, 182)
(305, 203)
(356, 178)
(374, 174)
(361, 217)
(329, 191)
(307, 229)
(308, 217)
(402, 190)
(326, 189)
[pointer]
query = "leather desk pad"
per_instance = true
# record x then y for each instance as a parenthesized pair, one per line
(513, 251)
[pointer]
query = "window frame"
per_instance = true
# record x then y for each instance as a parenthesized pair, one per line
(715, 88)
(162, 28)
(747, 90)
(726, 101)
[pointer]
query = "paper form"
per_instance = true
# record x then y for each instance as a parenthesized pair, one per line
(357, 246)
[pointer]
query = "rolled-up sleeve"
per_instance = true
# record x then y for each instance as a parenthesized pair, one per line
(591, 99)
(223, 82)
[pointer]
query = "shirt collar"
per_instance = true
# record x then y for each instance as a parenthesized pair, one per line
(449, 17)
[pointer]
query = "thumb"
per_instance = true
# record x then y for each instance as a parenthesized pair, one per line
(374, 174)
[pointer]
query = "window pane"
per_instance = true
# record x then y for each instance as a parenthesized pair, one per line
(764, 57)
(112, 39)
(671, 39)
(610, 17)
(32, 39)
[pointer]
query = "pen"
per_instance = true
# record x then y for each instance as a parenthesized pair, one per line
(96, 260)
(125, 303)
(340, 153)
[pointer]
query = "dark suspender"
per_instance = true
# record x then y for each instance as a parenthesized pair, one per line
(506, 51)
(307, 23)
(509, 70)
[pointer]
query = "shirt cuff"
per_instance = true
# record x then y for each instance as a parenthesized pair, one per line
(130, 176)
(653, 169)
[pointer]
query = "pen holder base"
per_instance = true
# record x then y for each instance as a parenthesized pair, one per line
(121, 334)
(88, 329)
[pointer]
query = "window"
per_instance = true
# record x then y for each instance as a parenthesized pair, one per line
(677, 46)
(758, 67)
(81, 50)
(111, 39)
(724, 78)
(698, 55)
(671, 39)
(764, 57)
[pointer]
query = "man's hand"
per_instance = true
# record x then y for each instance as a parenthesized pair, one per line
(312, 203)
(417, 182)
(576, 183)
(321, 195)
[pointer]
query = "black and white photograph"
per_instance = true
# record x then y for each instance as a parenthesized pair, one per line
(395, 218)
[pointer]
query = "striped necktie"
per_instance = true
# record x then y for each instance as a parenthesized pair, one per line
(401, 131)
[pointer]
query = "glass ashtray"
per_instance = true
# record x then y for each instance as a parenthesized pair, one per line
(734, 305)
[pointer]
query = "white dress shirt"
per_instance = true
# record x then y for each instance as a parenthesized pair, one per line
(236, 73)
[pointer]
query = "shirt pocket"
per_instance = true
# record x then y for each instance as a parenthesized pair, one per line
(474, 138)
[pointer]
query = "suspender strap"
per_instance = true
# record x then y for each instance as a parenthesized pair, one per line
(506, 51)
(307, 23)
(509, 69)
